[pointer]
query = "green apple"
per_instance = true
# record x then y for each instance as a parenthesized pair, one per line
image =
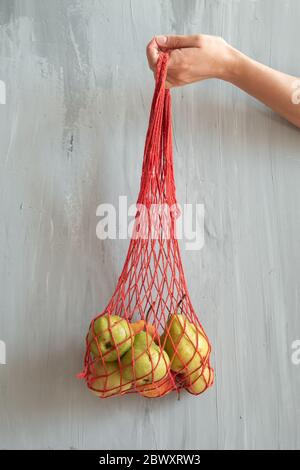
(106, 379)
(197, 382)
(145, 362)
(185, 344)
(110, 336)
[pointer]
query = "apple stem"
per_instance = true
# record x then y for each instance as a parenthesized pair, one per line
(148, 311)
(180, 301)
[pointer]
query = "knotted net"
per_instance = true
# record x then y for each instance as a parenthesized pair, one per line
(149, 339)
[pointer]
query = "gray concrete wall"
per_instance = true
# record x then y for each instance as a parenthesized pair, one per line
(78, 92)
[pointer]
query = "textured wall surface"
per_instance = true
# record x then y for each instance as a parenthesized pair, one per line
(72, 130)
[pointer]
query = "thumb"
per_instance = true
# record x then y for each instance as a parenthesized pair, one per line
(177, 42)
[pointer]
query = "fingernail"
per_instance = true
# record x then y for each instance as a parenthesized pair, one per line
(161, 40)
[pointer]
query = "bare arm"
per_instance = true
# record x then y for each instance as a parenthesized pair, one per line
(199, 57)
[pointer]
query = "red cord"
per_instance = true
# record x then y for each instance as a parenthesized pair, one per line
(152, 285)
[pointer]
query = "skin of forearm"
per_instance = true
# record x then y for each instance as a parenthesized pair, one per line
(275, 89)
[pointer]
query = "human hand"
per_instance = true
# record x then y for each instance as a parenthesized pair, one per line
(192, 58)
(195, 58)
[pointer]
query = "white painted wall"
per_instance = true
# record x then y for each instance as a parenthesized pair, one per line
(78, 92)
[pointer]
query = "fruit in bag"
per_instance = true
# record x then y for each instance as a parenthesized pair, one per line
(106, 380)
(185, 344)
(157, 389)
(110, 336)
(199, 381)
(142, 325)
(145, 362)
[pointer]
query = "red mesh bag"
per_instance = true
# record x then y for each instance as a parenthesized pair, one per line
(148, 339)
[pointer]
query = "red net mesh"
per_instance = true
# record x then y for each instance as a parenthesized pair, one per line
(149, 339)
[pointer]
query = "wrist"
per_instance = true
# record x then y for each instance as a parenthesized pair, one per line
(232, 60)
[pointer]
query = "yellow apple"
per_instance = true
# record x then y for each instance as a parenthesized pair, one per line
(106, 380)
(145, 362)
(157, 389)
(110, 336)
(197, 382)
(185, 344)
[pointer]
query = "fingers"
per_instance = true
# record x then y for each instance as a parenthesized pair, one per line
(178, 42)
(169, 42)
(152, 53)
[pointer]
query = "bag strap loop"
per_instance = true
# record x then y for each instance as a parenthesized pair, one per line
(157, 182)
